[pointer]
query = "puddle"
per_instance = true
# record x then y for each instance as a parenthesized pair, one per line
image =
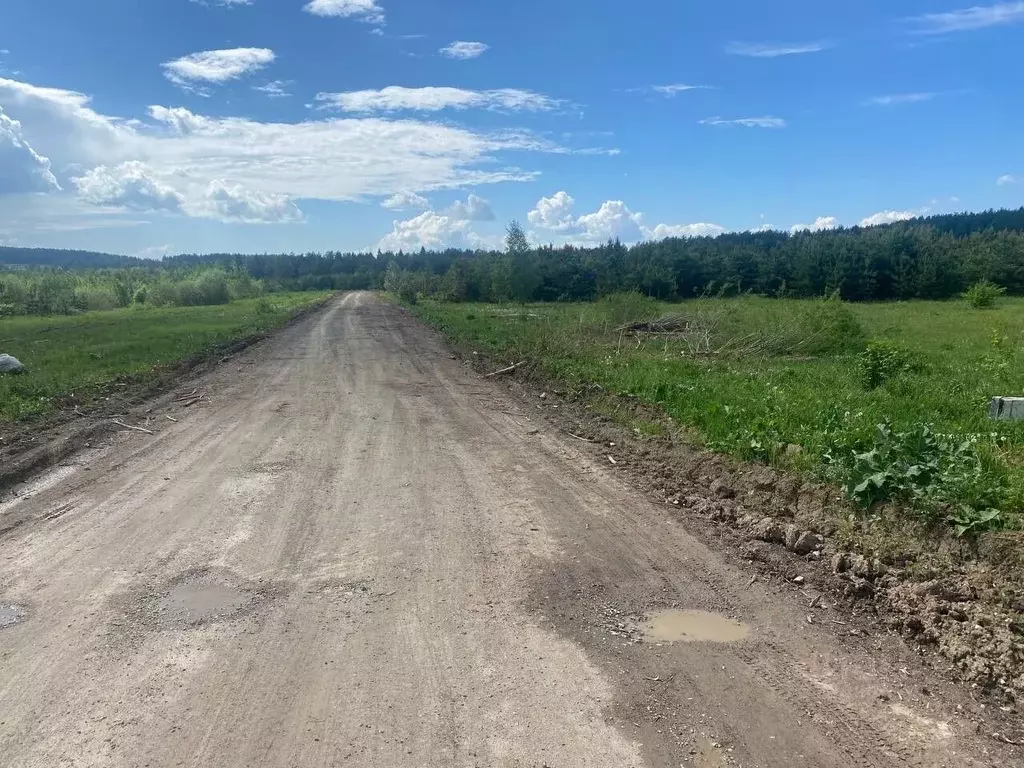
(675, 626)
(202, 602)
(10, 615)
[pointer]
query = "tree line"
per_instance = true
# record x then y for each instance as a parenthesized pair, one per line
(930, 258)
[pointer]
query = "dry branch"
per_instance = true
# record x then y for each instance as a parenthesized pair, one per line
(505, 370)
(129, 426)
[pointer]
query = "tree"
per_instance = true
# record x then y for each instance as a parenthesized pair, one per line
(515, 239)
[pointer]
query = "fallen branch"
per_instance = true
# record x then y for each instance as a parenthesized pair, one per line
(584, 439)
(505, 370)
(187, 395)
(170, 418)
(129, 426)
(193, 401)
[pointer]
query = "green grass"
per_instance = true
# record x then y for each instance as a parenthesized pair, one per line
(74, 359)
(784, 379)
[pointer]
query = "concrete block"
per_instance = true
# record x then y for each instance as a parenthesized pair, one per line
(1006, 408)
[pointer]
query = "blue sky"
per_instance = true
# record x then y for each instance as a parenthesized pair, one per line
(290, 125)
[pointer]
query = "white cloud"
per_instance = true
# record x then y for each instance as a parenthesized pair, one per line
(153, 252)
(363, 10)
(888, 217)
(275, 89)
(700, 229)
(433, 99)
(225, 3)
(216, 66)
(1007, 179)
(22, 169)
(820, 223)
(612, 220)
(747, 122)
(132, 185)
(976, 17)
(462, 49)
(899, 98)
(432, 231)
(137, 187)
(771, 50)
(348, 159)
(234, 203)
(674, 88)
(473, 209)
(401, 201)
(553, 213)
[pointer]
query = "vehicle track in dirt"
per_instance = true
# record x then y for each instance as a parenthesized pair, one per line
(361, 553)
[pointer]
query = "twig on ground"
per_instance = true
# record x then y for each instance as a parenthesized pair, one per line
(170, 418)
(129, 426)
(193, 401)
(584, 439)
(505, 370)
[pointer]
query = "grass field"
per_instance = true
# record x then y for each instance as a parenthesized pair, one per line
(887, 400)
(74, 359)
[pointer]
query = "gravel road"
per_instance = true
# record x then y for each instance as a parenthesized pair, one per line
(360, 553)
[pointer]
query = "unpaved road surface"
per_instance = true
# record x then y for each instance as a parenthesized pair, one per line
(362, 554)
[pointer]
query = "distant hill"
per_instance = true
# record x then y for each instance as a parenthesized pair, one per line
(52, 257)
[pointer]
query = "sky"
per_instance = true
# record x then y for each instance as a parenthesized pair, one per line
(265, 126)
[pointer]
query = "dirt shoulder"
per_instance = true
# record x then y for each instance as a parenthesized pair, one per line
(26, 449)
(958, 605)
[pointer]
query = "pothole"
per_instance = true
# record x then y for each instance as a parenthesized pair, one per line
(203, 596)
(11, 614)
(672, 625)
(196, 603)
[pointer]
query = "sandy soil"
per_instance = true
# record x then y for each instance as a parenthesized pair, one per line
(359, 553)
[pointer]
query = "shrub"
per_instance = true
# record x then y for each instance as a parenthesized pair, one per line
(93, 298)
(829, 326)
(627, 307)
(983, 294)
(882, 361)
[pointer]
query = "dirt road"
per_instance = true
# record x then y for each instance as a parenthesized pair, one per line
(362, 554)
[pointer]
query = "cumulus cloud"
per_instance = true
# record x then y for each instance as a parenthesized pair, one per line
(131, 185)
(22, 169)
(899, 98)
(135, 186)
(820, 223)
(771, 50)
(612, 220)
(433, 99)
(363, 10)
(401, 201)
(216, 66)
(700, 229)
(234, 203)
(462, 49)
(553, 213)
(887, 217)
(473, 209)
(746, 122)
(976, 17)
(432, 230)
(347, 159)
(1002, 181)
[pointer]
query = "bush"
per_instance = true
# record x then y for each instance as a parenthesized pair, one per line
(882, 361)
(983, 294)
(829, 326)
(627, 307)
(96, 298)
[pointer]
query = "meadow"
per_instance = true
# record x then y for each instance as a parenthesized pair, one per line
(73, 360)
(887, 400)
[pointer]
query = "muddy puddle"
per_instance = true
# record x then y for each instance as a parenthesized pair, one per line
(682, 626)
(10, 614)
(201, 602)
